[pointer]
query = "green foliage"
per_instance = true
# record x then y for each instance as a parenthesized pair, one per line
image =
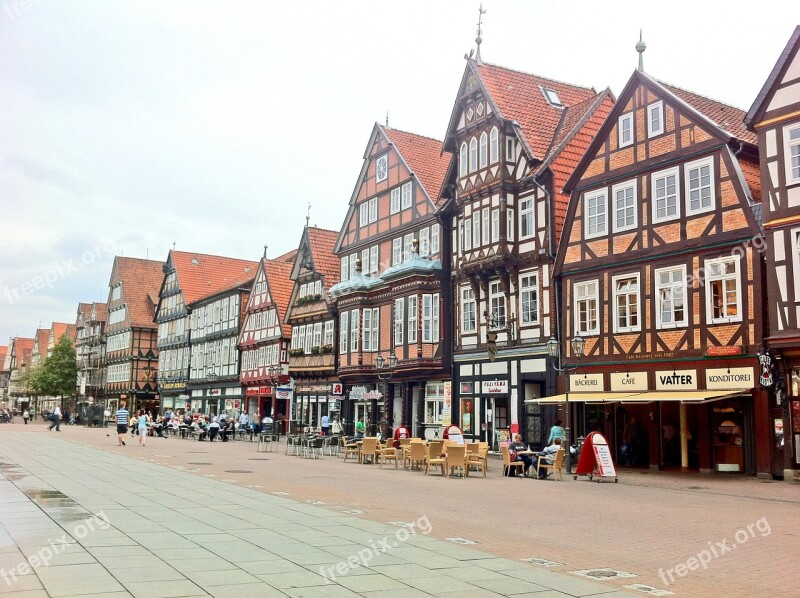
(31, 380)
(59, 372)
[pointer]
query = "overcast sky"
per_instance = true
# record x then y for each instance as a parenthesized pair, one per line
(127, 126)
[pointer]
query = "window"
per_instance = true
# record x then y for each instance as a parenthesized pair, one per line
(373, 210)
(625, 128)
(116, 292)
(434, 402)
(424, 242)
(494, 146)
(671, 297)
(371, 329)
(363, 214)
(473, 155)
(408, 244)
(791, 140)
(699, 186)
(354, 322)
(301, 337)
(552, 97)
(468, 323)
(526, 224)
(483, 150)
(434, 239)
(430, 318)
(626, 303)
(510, 150)
(665, 194)
(399, 321)
(529, 299)
(317, 342)
(327, 338)
(497, 305)
(397, 251)
(365, 260)
(724, 296)
(476, 228)
(412, 319)
(510, 224)
(586, 308)
(467, 241)
(624, 205)
(655, 119)
(394, 201)
(463, 160)
(406, 193)
(345, 269)
(495, 226)
(373, 264)
(485, 224)
(344, 329)
(595, 214)
(353, 264)
(382, 168)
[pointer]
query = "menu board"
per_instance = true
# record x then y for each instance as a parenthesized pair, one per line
(605, 464)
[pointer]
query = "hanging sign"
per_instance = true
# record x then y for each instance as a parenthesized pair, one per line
(766, 378)
(622, 382)
(586, 383)
(676, 380)
(337, 388)
(730, 379)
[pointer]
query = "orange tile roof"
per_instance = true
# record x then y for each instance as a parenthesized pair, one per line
(752, 175)
(42, 337)
(518, 97)
(280, 286)
(100, 311)
(141, 282)
(84, 310)
(286, 257)
(322, 242)
(201, 275)
(59, 329)
(424, 157)
(726, 117)
(3, 353)
(22, 349)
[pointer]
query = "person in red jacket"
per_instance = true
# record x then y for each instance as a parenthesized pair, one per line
(401, 432)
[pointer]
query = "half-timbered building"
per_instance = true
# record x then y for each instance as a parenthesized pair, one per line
(660, 275)
(515, 138)
(5, 373)
(131, 360)
(390, 298)
(264, 340)
(20, 350)
(312, 317)
(775, 118)
(90, 352)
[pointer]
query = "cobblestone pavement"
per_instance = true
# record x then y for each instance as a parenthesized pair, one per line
(189, 518)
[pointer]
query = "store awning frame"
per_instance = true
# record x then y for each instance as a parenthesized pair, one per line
(683, 396)
(582, 397)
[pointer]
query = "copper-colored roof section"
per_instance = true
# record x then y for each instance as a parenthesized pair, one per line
(41, 341)
(3, 353)
(322, 242)
(726, 117)
(280, 286)
(201, 275)
(22, 349)
(141, 282)
(423, 156)
(519, 97)
(752, 176)
(59, 329)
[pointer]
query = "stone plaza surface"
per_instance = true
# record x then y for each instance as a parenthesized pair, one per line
(183, 518)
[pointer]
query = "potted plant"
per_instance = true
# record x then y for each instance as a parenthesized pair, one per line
(315, 350)
(326, 348)
(296, 352)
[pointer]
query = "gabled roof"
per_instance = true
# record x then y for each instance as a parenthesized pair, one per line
(423, 156)
(41, 341)
(759, 105)
(59, 329)
(280, 288)
(3, 353)
(321, 243)
(141, 280)
(100, 311)
(22, 350)
(201, 275)
(84, 311)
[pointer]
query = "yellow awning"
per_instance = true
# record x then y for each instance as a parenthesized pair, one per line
(583, 397)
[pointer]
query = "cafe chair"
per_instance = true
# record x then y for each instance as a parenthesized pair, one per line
(478, 459)
(349, 448)
(508, 464)
(388, 453)
(369, 449)
(435, 458)
(456, 458)
(415, 454)
(557, 466)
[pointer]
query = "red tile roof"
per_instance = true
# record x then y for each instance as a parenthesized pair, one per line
(59, 329)
(752, 175)
(141, 282)
(3, 353)
(201, 275)
(518, 97)
(100, 311)
(41, 341)
(726, 117)
(22, 349)
(423, 156)
(84, 311)
(322, 242)
(280, 286)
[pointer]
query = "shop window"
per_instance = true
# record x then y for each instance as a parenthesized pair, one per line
(434, 402)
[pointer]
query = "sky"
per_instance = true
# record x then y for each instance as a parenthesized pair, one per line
(129, 126)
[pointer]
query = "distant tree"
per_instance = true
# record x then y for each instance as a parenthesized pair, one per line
(31, 380)
(59, 371)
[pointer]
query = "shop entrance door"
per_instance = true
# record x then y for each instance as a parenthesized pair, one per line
(494, 421)
(362, 410)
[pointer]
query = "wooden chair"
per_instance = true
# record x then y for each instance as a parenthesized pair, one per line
(369, 450)
(478, 459)
(437, 447)
(508, 464)
(388, 453)
(349, 448)
(417, 453)
(434, 458)
(472, 447)
(557, 466)
(456, 458)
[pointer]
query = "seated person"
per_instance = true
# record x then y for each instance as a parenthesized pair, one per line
(199, 425)
(400, 432)
(227, 428)
(548, 455)
(213, 429)
(521, 452)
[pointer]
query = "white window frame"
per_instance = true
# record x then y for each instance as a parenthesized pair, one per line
(382, 175)
(529, 285)
(327, 338)
(711, 278)
(651, 108)
(654, 178)
(473, 155)
(494, 146)
(344, 331)
(687, 181)
(434, 239)
(405, 195)
(355, 324)
(476, 229)
(412, 319)
(790, 145)
(373, 210)
(427, 317)
(510, 224)
(399, 321)
(353, 264)
(625, 118)
(469, 321)
(485, 225)
(463, 163)
(586, 291)
(527, 218)
(600, 217)
(424, 242)
(317, 342)
(495, 225)
(467, 238)
(374, 263)
(615, 201)
(370, 334)
(394, 200)
(511, 149)
(483, 150)
(408, 246)
(363, 214)
(397, 251)
(672, 284)
(497, 304)
(616, 295)
(344, 270)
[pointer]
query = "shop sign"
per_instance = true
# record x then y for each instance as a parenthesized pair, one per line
(730, 379)
(448, 402)
(337, 388)
(172, 385)
(676, 380)
(214, 392)
(283, 393)
(494, 387)
(766, 378)
(586, 383)
(636, 381)
(360, 393)
(251, 392)
(724, 351)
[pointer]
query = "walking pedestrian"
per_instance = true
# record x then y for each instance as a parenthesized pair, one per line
(26, 416)
(56, 419)
(325, 424)
(122, 424)
(142, 424)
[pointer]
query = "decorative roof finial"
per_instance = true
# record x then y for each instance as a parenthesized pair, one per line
(641, 47)
(308, 214)
(173, 246)
(479, 38)
(265, 250)
(387, 118)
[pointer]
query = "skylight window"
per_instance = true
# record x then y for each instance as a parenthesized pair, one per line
(552, 97)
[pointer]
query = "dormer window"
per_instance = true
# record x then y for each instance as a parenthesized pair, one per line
(655, 119)
(382, 168)
(552, 97)
(510, 149)
(625, 127)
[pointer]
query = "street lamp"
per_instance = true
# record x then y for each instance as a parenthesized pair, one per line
(554, 350)
(384, 368)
